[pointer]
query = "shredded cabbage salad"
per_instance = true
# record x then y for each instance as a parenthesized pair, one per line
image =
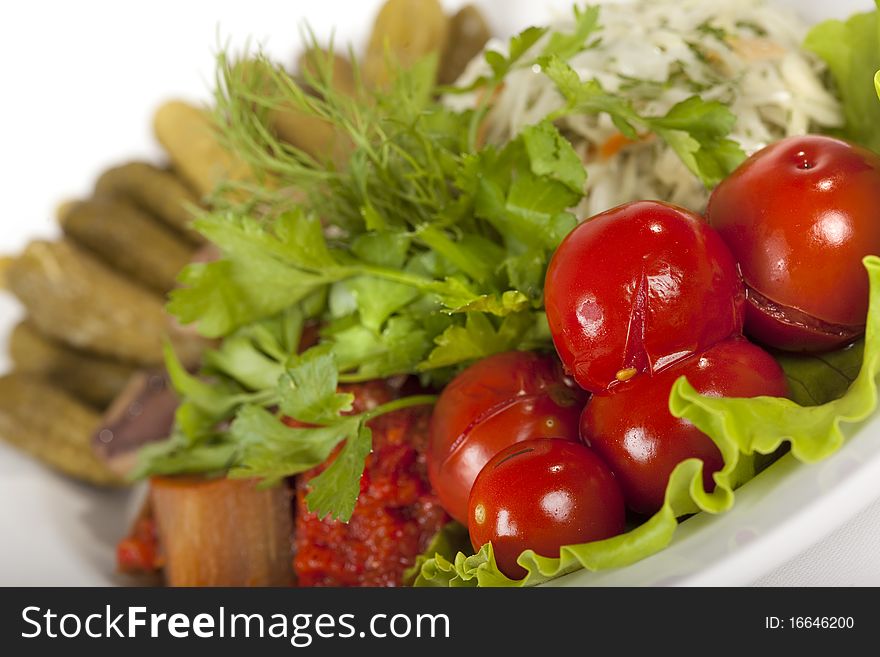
(746, 55)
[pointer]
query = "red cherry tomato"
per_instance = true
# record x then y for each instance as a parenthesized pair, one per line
(496, 402)
(636, 288)
(632, 429)
(540, 495)
(799, 216)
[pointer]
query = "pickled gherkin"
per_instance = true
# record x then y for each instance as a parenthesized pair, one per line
(155, 190)
(47, 423)
(5, 263)
(74, 298)
(128, 239)
(311, 134)
(316, 136)
(468, 33)
(405, 31)
(315, 60)
(92, 379)
(189, 137)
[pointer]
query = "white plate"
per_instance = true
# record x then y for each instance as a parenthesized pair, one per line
(80, 84)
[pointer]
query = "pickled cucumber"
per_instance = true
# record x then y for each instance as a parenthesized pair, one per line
(155, 190)
(405, 31)
(92, 379)
(290, 123)
(311, 134)
(5, 263)
(468, 33)
(314, 60)
(188, 135)
(129, 240)
(74, 298)
(50, 425)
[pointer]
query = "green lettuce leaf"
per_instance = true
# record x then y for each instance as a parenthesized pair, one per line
(449, 541)
(815, 379)
(851, 49)
(742, 429)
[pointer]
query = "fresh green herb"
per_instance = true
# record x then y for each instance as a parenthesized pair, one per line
(756, 29)
(707, 28)
(566, 46)
(694, 128)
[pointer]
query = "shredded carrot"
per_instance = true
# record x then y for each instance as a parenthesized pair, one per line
(618, 141)
(483, 130)
(755, 49)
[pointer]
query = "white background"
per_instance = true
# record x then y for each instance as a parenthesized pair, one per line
(79, 83)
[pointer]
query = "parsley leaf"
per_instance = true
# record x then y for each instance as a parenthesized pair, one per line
(694, 128)
(335, 491)
(518, 45)
(524, 189)
(307, 390)
(566, 46)
(478, 338)
(272, 451)
(696, 131)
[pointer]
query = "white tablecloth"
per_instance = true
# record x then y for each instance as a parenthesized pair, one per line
(848, 557)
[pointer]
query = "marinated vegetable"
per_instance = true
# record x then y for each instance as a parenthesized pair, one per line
(93, 379)
(222, 532)
(341, 74)
(404, 32)
(396, 515)
(624, 290)
(539, 495)
(74, 298)
(632, 430)
(142, 413)
(190, 139)
(48, 424)
(496, 402)
(316, 136)
(129, 240)
(138, 553)
(155, 190)
(468, 33)
(799, 216)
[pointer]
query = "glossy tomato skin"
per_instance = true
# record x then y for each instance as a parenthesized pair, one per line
(632, 429)
(638, 287)
(542, 494)
(497, 401)
(799, 216)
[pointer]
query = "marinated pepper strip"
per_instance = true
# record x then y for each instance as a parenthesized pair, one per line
(396, 515)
